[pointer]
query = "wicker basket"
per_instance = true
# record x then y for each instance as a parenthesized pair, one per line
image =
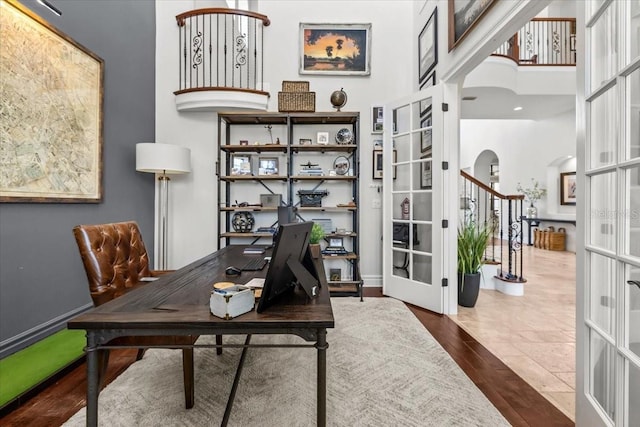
(295, 86)
(296, 102)
(536, 237)
(544, 244)
(557, 240)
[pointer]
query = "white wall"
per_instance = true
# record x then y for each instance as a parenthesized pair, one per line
(194, 212)
(538, 149)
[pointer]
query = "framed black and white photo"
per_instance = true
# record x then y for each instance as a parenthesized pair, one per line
(428, 47)
(426, 180)
(377, 120)
(378, 165)
(429, 81)
(240, 164)
(322, 138)
(305, 141)
(426, 134)
(268, 166)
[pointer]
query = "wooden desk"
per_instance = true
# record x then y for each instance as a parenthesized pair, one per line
(178, 304)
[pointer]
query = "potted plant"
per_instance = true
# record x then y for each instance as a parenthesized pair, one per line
(317, 234)
(472, 242)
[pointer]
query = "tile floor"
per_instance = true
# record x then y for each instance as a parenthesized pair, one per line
(534, 334)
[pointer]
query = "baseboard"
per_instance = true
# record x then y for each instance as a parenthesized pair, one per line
(20, 400)
(372, 281)
(35, 334)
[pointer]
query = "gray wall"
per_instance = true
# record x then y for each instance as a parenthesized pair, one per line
(42, 281)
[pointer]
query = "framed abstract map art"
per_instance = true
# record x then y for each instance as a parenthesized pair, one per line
(51, 107)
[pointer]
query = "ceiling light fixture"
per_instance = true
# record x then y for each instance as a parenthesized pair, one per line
(517, 108)
(51, 7)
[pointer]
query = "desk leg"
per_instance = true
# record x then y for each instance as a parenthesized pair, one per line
(236, 380)
(322, 346)
(530, 227)
(92, 380)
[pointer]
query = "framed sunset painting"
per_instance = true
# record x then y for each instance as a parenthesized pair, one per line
(338, 49)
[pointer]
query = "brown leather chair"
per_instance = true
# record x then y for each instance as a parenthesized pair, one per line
(115, 258)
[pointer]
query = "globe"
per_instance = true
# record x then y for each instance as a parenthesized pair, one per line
(338, 99)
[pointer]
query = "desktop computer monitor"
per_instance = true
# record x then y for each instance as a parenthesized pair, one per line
(290, 264)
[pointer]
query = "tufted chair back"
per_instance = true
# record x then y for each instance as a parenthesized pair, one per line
(114, 258)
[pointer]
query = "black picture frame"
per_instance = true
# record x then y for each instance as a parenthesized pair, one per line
(426, 175)
(426, 139)
(378, 165)
(429, 81)
(428, 47)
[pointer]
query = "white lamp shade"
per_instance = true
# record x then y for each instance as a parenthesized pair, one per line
(162, 158)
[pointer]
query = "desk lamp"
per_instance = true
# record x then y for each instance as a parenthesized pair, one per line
(164, 160)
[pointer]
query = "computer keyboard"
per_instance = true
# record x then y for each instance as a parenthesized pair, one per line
(254, 264)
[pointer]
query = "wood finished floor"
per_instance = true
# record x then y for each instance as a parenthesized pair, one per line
(518, 402)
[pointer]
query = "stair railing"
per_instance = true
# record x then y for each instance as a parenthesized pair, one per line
(542, 41)
(503, 214)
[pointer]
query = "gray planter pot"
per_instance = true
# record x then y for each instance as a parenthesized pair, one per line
(468, 295)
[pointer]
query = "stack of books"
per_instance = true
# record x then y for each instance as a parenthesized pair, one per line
(311, 172)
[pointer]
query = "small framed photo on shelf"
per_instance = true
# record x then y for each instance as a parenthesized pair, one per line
(335, 274)
(377, 120)
(268, 166)
(240, 164)
(426, 178)
(378, 165)
(305, 141)
(323, 138)
(244, 142)
(336, 242)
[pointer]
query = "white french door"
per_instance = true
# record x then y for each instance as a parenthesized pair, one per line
(608, 307)
(413, 208)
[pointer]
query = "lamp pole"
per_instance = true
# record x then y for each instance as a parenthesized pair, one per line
(164, 221)
(163, 160)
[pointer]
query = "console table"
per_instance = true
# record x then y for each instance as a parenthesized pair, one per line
(534, 222)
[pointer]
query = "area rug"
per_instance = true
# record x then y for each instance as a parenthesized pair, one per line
(383, 369)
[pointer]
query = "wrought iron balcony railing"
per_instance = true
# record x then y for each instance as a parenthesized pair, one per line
(543, 41)
(221, 49)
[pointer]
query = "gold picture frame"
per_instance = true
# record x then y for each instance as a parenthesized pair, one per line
(52, 132)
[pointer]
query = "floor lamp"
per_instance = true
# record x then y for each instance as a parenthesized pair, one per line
(164, 160)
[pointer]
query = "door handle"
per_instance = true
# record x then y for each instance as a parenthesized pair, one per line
(633, 282)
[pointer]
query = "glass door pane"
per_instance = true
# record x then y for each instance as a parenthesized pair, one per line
(602, 373)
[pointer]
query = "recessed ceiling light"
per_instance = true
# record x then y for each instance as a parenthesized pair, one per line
(517, 108)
